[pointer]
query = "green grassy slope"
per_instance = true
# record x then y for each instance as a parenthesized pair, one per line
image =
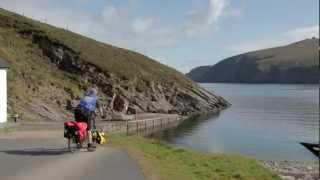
(122, 62)
(50, 65)
(161, 161)
(294, 63)
(302, 54)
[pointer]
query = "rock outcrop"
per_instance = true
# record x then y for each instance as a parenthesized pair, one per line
(159, 97)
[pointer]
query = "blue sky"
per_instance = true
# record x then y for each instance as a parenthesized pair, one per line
(182, 34)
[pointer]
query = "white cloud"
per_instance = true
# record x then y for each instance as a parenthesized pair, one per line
(110, 13)
(215, 10)
(201, 21)
(303, 33)
(238, 11)
(141, 25)
(288, 37)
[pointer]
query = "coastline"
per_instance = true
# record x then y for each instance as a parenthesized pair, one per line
(294, 170)
(160, 159)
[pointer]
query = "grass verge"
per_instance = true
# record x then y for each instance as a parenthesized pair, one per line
(162, 161)
(6, 130)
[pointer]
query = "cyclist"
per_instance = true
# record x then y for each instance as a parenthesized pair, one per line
(85, 112)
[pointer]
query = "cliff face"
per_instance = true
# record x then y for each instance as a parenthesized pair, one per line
(51, 68)
(295, 63)
(198, 72)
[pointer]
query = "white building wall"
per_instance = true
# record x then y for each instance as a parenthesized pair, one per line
(3, 95)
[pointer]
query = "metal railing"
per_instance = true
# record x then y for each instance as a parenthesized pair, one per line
(135, 126)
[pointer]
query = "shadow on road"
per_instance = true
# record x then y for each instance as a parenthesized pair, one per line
(38, 152)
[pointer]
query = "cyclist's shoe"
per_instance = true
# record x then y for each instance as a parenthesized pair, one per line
(91, 147)
(79, 145)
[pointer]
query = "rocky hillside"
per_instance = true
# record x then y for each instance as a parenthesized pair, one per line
(294, 63)
(51, 68)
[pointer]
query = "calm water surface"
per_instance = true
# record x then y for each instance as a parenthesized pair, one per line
(264, 121)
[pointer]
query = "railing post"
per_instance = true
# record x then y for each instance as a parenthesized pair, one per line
(137, 127)
(127, 124)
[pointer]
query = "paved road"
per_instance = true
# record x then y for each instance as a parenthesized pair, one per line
(23, 157)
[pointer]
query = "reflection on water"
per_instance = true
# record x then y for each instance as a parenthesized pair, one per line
(183, 129)
(265, 121)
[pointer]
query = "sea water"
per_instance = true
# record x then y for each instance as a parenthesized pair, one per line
(265, 121)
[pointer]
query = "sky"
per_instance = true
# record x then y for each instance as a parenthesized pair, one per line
(182, 34)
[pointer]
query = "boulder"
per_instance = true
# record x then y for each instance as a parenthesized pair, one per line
(120, 104)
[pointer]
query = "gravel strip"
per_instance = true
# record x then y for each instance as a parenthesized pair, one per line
(295, 170)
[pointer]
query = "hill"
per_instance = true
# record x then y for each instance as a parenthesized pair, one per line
(294, 63)
(50, 68)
